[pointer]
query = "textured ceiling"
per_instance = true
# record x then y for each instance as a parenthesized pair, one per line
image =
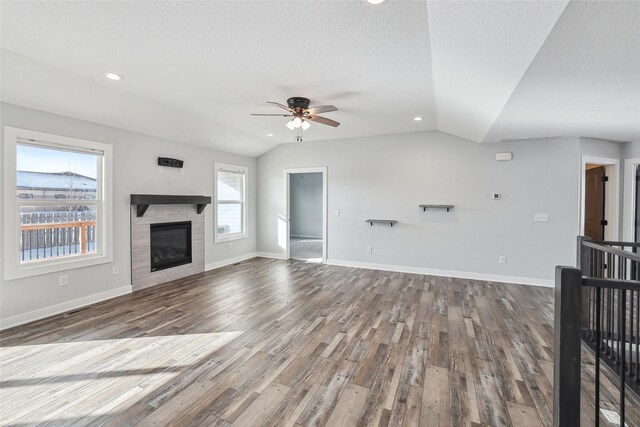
(194, 71)
(584, 81)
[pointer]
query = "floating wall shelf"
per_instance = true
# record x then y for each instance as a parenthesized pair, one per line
(447, 207)
(142, 201)
(381, 221)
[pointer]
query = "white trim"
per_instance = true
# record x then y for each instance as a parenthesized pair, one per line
(229, 261)
(271, 255)
(13, 269)
(629, 199)
(300, 236)
(64, 307)
(286, 173)
(446, 273)
(612, 232)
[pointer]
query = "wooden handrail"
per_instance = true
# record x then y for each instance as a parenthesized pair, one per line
(609, 249)
(69, 224)
(614, 243)
(48, 226)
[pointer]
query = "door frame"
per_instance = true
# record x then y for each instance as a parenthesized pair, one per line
(629, 199)
(287, 176)
(612, 169)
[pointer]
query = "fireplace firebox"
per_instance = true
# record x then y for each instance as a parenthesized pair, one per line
(170, 244)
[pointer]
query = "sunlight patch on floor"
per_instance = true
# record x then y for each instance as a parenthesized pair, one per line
(130, 368)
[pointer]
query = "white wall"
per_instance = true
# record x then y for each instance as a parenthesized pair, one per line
(135, 171)
(600, 148)
(305, 209)
(389, 176)
(631, 150)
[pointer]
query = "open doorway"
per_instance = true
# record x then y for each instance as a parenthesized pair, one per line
(306, 213)
(599, 213)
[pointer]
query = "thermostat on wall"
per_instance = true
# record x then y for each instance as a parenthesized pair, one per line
(172, 163)
(501, 157)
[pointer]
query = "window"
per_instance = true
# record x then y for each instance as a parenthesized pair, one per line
(57, 203)
(231, 202)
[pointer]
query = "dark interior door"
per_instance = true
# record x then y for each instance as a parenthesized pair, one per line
(594, 196)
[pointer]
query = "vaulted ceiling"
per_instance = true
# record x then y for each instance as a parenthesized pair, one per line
(194, 71)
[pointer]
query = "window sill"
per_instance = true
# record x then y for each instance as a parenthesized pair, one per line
(53, 266)
(229, 238)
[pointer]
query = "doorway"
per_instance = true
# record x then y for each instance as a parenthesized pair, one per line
(599, 210)
(306, 214)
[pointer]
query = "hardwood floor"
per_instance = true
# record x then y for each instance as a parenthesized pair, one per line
(289, 343)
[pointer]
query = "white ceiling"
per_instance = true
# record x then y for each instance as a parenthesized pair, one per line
(484, 71)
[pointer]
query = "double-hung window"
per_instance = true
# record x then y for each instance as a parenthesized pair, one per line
(231, 202)
(57, 203)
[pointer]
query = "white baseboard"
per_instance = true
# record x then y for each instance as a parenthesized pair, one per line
(229, 261)
(446, 273)
(273, 255)
(41, 313)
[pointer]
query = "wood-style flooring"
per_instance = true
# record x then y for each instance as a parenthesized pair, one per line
(289, 343)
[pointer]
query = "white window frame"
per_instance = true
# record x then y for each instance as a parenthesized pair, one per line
(13, 268)
(235, 169)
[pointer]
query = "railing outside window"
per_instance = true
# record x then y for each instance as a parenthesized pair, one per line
(53, 234)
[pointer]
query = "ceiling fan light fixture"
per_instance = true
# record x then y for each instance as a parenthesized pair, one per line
(291, 125)
(305, 125)
(297, 122)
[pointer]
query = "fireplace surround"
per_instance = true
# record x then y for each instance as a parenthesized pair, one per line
(143, 274)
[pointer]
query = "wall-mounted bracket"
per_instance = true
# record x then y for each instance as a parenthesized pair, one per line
(381, 221)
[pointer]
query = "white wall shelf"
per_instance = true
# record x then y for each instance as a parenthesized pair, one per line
(425, 207)
(381, 221)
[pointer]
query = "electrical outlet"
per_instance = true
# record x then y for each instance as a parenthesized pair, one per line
(63, 280)
(369, 249)
(229, 246)
(116, 269)
(160, 169)
(181, 171)
(502, 259)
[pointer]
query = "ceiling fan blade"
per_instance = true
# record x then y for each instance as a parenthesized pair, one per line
(277, 115)
(284, 107)
(322, 120)
(321, 109)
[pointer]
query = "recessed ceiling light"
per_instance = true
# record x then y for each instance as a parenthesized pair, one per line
(417, 119)
(269, 134)
(375, 1)
(113, 76)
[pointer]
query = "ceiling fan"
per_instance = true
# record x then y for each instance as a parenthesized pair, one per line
(298, 108)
